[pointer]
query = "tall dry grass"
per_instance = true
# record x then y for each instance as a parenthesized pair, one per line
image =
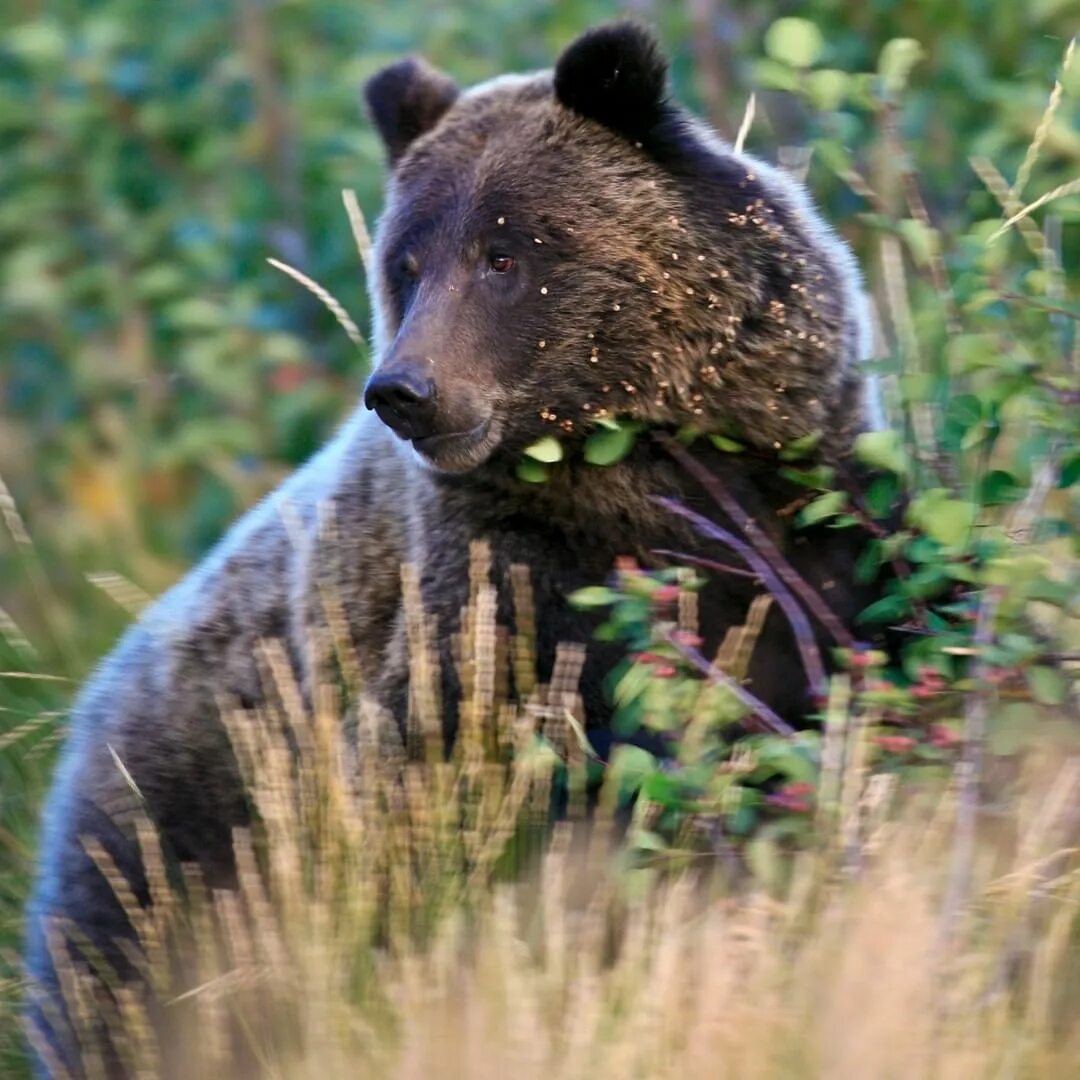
(394, 916)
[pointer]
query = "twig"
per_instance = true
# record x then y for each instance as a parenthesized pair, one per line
(800, 624)
(998, 187)
(917, 209)
(861, 186)
(968, 774)
(976, 711)
(747, 123)
(359, 229)
(769, 719)
(760, 540)
(1028, 164)
(709, 564)
(1042, 305)
(1070, 188)
(1022, 522)
(333, 305)
(922, 417)
(898, 304)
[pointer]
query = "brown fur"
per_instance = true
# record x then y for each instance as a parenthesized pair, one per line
(658, 276)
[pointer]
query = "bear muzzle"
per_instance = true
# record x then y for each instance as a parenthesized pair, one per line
(404, 400)
(451, 433)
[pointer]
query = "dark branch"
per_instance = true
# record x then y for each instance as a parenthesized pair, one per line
(761, 541)
(800, 624)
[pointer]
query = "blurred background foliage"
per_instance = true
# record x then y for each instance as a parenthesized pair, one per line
(157, 376)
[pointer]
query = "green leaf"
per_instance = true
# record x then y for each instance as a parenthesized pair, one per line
(797, 42)
(970, 352)
(630, 767)
(944, 519)
(926, 582)
(634, 682)
(1061, 594)
(827, 88)
(825, 506)
(801, 448)
(869, 562)
(820, 477)
(790, 758)
(741, 822)
(1048, 685)
(1070, 469)
(645, 840)
(548, 449)
(593, 596)
(662, 788)
(964, 412)
(609, 446)
(532, 472)
(774, 75)
(882, 450)
(40, 42)
(923, 242)
(887, 609)
(999, 487)
(1016, 568)
(883, 495)
(728, 446)
(896, 61)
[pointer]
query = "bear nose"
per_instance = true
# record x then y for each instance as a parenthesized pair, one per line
(404, 401)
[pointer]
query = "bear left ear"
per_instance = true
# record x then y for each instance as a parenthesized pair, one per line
(615, 75)
(406, 100)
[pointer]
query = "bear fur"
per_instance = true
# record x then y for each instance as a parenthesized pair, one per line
(555, 248)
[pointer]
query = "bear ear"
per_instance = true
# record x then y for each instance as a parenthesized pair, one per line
(616, 75)
(406, 100)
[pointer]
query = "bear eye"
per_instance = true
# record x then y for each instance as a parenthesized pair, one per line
(410, 266)
(501, 264)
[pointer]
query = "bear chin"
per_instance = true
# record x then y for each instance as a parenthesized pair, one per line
(459, 452)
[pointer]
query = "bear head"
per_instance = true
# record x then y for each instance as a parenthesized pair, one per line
(570, 246)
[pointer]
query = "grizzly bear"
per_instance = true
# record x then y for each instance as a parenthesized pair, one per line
(556, 249)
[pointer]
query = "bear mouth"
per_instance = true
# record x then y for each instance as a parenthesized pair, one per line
(459, 451)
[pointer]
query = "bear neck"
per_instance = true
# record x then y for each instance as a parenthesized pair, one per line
(612, 510)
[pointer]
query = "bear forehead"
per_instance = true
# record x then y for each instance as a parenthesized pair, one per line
(511, 135)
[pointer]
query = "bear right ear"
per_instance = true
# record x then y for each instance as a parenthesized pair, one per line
(406, 100)
(617, 76)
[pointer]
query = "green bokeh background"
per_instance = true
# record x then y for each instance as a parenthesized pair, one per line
(157, 375)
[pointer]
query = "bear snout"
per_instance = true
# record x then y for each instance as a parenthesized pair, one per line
(404, 399)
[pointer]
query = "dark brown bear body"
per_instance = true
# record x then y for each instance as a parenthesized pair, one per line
(556, 248)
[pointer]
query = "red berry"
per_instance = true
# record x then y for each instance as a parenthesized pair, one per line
(896, 744)
(944, 737)
(792, 803)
